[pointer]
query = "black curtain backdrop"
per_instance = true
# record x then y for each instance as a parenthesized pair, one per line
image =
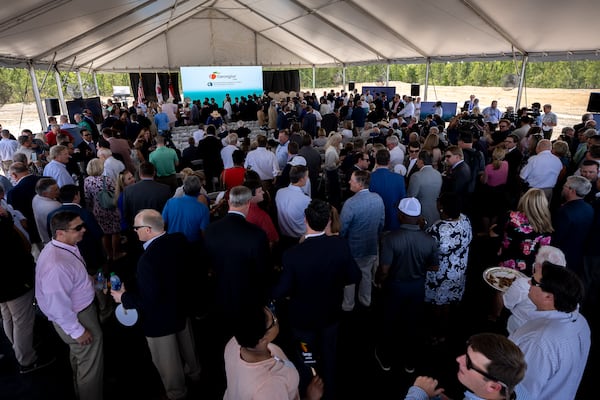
(149, 85)
(277, 81)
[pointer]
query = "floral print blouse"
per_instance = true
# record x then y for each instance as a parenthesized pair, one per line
(520, 243)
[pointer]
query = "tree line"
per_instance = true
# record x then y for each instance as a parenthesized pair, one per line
(15, 83)
(561, 74)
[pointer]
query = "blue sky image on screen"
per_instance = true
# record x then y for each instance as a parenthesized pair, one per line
(201, 82)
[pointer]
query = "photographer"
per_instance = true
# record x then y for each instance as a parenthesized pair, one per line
(524, 126)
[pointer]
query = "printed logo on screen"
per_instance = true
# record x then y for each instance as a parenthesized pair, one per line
(218, 75)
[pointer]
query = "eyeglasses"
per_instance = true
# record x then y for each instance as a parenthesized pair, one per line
(414, 151)
(274, 322)
(533, 282)
(448, 155)
(136, 227)
(469, 365)
(76, 228)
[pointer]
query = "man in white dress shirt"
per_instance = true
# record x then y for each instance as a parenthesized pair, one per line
(262, 161)
(397, 151)
(542, 170)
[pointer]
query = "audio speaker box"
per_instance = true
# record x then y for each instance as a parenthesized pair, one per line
(52, 107)
(594, 103)
(350, 86)
(414, 90)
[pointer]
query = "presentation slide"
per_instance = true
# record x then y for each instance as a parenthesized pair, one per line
(449, 109)
(201, 82)
(390, 91)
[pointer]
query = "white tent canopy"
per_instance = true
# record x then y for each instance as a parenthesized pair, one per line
(162, 35)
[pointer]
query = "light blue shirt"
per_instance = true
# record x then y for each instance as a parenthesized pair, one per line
(362, 219)
(556, 346)
(291, 203)
(58, 171)
(282, 155)
(416, 393)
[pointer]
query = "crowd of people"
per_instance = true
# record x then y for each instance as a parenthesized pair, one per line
(345, 203)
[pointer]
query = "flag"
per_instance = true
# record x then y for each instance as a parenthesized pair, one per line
(159, 95)
(171, 90)
(140, 92)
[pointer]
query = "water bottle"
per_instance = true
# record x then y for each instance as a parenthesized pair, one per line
(115, 281)
(100, 281)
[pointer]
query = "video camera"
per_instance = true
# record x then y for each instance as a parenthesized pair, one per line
(534, 111)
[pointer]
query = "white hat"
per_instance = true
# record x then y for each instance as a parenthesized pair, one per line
(298, 160)
(410, 206)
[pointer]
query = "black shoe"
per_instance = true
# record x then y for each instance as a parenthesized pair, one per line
(382, 364)
(40, 363)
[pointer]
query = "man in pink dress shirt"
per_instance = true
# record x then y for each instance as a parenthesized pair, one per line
(65, 294)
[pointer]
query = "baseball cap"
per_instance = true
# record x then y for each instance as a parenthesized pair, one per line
(410, 206)
(298, 160)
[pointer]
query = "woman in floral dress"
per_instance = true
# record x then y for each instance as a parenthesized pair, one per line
(109, 220)
(527, 228)
(525, 231)
(446, 286)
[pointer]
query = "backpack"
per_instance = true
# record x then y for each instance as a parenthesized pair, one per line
(106, 198)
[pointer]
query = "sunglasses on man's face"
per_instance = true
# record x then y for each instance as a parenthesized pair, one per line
(470, 366)
(76, 227)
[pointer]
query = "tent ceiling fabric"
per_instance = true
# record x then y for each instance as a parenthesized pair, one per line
(162, 35)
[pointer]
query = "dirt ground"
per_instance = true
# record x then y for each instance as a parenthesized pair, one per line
(568, 104)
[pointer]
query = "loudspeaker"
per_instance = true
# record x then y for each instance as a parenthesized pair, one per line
(594, 103)
(415, 89)
(52, 107)
(350, 86)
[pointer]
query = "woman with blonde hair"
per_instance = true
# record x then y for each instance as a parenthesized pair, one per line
(527, 228)
(332, 162)
(109, 219)
(124, 179)
(432, 146)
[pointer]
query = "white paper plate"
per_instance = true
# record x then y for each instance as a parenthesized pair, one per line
(500, 278)
(126, 317)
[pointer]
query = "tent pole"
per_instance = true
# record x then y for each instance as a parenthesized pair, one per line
(344, 78)
(314, 83)
(96, 83)
(61, 95)
(521, 81)
(426, 79)
(387, 75)
(80, 82)
(38, 98)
